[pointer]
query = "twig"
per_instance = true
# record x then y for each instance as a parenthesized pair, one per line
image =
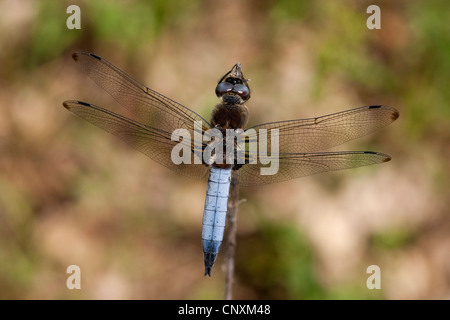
(233, 203)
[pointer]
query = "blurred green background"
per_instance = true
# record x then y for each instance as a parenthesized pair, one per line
(73, 194)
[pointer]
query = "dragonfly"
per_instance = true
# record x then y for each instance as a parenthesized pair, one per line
(299, 148)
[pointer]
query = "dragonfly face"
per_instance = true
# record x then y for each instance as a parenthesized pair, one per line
(233, 87)
(299, 149)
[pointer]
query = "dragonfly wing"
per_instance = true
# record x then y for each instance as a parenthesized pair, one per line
(322, 133)
(153, 142)
(294, 165)
(147, 106)
(155, 117)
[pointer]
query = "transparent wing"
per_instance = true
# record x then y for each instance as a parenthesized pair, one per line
(147, 106)
(299, 141)
(291, 165)
(155, 116)
(153, 142)
(322, 133)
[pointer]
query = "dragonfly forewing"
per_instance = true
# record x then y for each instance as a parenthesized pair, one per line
(322, 133)
(154, 142)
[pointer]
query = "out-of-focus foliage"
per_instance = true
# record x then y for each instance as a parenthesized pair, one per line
(287, 273)
(136, 23)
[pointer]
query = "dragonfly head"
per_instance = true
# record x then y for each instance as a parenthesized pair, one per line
(233, 87)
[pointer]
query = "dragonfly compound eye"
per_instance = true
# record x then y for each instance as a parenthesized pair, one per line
(223, 88)
(242, 90)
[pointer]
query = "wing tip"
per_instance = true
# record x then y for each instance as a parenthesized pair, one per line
(387, 158)
(66, 105)
(76, 55)
(394, 112)
(394, 115)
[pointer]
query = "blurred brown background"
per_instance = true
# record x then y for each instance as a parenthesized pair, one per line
(72, 194)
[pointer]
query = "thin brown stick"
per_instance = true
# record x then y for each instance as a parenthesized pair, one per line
(231, 237)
